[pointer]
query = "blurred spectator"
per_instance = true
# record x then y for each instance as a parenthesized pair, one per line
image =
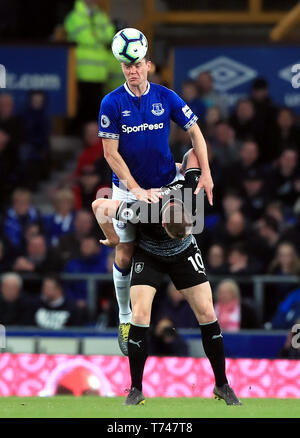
(256, 194)
(176, 308)
(181, 143)
(286, 262)
(281, 180)
(224, 145)
(93, 148)
(86, 189)
(10, 123)
(216, 260)
(53, 310)
(232, 202)
(6, 255)
(18, 217)
(212, 117)
(90, 27)
(92, 260)
(240, 262)
(235, 230)
(37, 258)
(69, 244)
(34, 152)
(8, 174)
(233, 313)
(242, 120)
(274, 209)
(268, 230)
(208, 95)
(290, 351)
(62, 220)
(246, 164)
(189, 94)
(15, 306)
(288, 312)
(265, 114)
(285, 134)
(165, 341)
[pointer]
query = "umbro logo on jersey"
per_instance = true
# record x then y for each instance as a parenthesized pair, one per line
(157, 109)
(126, 113)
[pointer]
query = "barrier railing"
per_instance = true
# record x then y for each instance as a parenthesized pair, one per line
(258, 281)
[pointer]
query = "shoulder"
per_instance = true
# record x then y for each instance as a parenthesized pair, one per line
(162, 90)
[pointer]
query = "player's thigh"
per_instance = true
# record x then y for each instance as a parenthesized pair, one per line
(125, 231)
(200, 299)
(146, 276)
(141, 297)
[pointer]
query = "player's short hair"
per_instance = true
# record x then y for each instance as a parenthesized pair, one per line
(176, 220)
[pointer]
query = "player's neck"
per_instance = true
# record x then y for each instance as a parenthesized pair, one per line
(138, 90)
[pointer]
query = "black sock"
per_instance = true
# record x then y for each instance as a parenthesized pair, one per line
(213, 345)
(137, 353)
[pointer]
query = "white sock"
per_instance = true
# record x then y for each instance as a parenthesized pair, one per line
(122, 288)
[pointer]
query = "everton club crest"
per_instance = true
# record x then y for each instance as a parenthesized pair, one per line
(157, 109)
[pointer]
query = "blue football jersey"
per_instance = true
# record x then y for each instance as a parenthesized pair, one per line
(142, 126)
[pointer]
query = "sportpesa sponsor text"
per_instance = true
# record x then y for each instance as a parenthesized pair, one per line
(143, 127)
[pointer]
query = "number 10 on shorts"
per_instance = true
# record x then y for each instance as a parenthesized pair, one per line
(197, 262)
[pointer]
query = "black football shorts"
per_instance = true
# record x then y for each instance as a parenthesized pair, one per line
(185, 269)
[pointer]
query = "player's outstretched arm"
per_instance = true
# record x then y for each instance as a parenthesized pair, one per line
(104, 211)
(118, 165)
(200, 149)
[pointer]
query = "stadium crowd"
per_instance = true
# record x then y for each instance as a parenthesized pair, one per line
(252, 228)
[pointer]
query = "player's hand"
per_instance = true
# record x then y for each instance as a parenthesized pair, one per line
(150, 195)
(111, 243)
(206, 182)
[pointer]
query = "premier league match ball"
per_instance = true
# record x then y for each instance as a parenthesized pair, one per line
(129, 45)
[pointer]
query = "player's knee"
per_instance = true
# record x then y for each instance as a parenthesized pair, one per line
(206, 313)
(123, 255)
(140, 316)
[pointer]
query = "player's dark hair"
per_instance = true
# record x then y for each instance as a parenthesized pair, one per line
(177, 221)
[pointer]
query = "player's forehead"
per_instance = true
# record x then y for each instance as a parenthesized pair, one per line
(142, 63)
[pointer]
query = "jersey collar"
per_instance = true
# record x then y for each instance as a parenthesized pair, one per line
(132, 94)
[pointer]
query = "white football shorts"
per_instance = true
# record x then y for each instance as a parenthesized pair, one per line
(127, 231)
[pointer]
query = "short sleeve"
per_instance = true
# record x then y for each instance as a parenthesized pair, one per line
(109, 119)
(181, 113)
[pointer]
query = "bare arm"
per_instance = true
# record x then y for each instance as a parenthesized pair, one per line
(118, 165)
(200, 149)
(104, 210)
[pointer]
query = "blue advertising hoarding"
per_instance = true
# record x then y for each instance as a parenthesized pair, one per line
(234, 69)
(37, 67)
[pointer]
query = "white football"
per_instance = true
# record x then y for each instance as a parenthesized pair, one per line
(129, 45)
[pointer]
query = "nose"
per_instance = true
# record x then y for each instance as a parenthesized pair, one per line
(132, 68)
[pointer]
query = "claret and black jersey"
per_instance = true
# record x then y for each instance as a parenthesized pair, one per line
(151, 236)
